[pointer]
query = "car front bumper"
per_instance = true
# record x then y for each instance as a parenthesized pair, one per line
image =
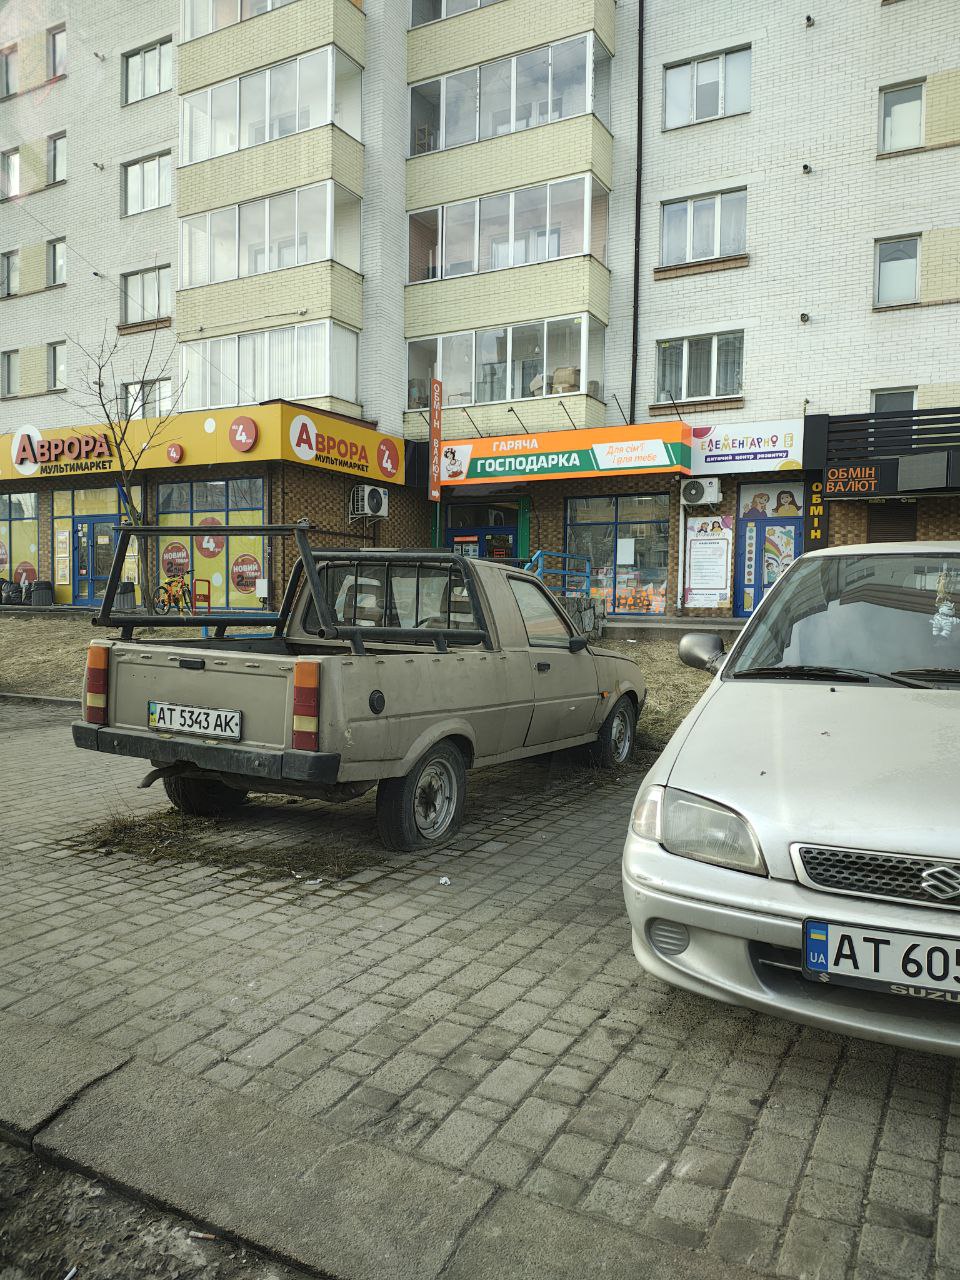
(745, 940)
(311, 768)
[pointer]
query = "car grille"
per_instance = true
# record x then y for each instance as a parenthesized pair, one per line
(896, 877)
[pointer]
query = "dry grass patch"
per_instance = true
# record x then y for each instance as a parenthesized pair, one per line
(672, 688)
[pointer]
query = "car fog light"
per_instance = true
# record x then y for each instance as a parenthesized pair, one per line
(668, 937)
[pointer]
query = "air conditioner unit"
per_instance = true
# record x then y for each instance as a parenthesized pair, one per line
(697, 493)
(369, 502)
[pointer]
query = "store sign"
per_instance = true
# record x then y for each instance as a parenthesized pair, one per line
(55, 454)
(436, 430)
(747, 446)
(550, 455)
(338, 445)
(860, 479)
(815, 518)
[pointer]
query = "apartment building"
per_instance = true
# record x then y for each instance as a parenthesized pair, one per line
(799, 245)
(307, 213)
(183, 188)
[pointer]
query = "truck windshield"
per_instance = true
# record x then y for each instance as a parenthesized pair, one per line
(875, 614)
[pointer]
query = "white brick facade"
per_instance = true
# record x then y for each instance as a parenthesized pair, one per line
(810, 237)
(102, 135)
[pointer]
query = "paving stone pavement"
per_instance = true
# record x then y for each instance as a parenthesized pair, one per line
(497, 1025)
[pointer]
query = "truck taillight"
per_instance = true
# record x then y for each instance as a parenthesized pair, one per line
(95, 684)
(306, 706)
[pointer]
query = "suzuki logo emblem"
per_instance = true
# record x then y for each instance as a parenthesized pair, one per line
(941, 882)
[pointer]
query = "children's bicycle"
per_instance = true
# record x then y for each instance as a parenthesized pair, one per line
(173, 593)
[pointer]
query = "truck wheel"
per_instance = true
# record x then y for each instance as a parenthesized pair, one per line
(202, 797)
(615, 740)
(426, 806)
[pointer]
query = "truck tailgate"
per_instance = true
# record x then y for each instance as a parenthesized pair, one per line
(258, 685)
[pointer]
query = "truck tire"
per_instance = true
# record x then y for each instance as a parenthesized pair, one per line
(425, 807)
(617, 735)
(202, 797)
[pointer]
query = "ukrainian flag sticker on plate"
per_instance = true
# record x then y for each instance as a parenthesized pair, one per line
(815, 941)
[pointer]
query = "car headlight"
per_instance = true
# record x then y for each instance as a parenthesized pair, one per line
(693, 827)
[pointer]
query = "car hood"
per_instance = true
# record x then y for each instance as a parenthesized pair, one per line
(865, 766)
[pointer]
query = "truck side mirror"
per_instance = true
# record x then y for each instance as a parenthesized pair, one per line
(578, 643)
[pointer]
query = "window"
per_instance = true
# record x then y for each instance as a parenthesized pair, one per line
(704, 227)
(9, 174)
(146, 295)
(522, 361)
(56, 366)
(147, 399)
(894, 400)
(9, 273)
(146, 184)
(56, 52)
(200, 17)
(896, 271)
(626, 539)
(542, 620)
(56, 158)
(433, 10)
(296, 227)
(295, 362)
(546, 84)
(555, 220)
(315, 89)
(148, 71)
(9, 373)
(706, 89)
(901, 118)
(8, 71)
(56, 262)
(700, 368)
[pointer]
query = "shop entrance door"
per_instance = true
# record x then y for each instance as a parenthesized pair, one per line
(93, 544)
(764, 549)
(496, 542)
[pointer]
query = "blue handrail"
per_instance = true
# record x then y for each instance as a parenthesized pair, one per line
(566, 579)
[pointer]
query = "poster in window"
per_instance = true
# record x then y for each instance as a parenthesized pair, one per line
(765, 501)
(709, 555)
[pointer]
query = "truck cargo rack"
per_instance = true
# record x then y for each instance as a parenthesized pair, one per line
(460, 573)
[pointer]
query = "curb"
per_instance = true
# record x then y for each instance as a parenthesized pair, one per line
(43, 699)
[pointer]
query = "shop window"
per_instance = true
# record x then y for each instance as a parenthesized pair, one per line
(19, 537)
(626, 539)
(245, 494)
(228, 559)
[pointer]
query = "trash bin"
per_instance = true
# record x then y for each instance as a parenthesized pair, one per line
(42, 595)
(12, 594)
(125, 600)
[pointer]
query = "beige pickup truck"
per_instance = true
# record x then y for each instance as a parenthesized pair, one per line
(394, 669)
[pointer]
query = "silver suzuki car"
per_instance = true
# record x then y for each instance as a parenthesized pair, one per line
(796, 847)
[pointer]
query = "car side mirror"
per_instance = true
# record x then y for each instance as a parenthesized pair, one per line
(578, 643)
(701, 649)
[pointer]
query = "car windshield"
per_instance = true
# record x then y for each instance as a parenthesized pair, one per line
(878, 613)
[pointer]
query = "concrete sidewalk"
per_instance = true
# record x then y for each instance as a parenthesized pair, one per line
(299, 1190)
